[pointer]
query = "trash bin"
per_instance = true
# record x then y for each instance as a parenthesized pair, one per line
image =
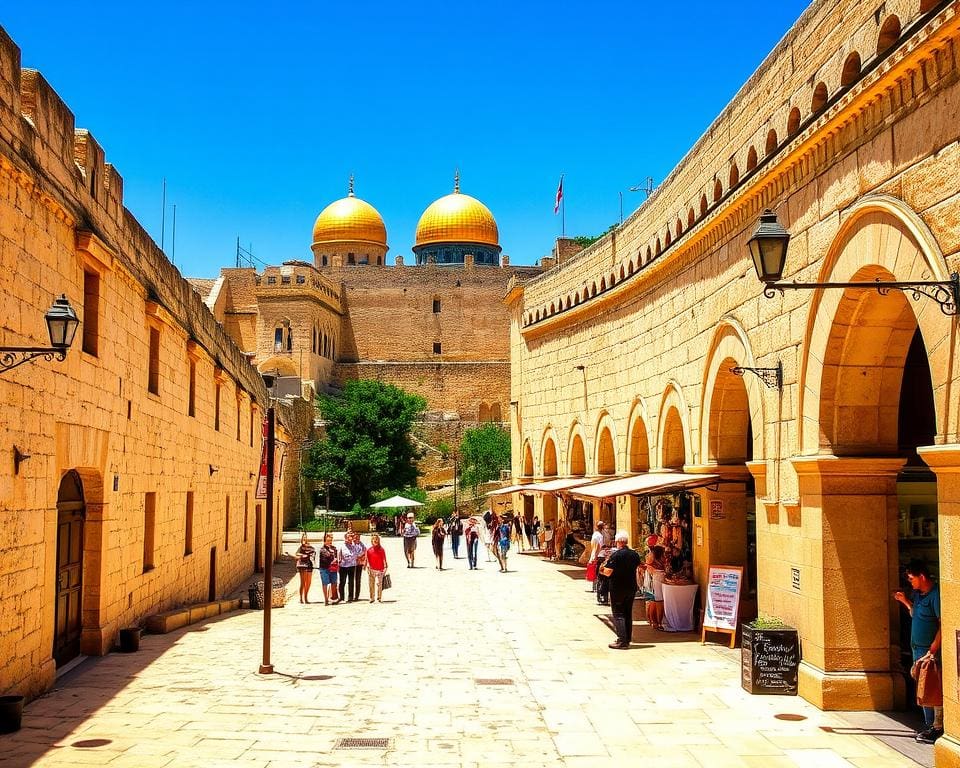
(278, 594)
(130, 639)
(253, 597)
(11, 712)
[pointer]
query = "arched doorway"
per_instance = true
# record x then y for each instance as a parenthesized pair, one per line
(69, 569)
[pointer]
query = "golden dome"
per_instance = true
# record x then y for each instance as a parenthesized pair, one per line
(457, 218)
(350, 220)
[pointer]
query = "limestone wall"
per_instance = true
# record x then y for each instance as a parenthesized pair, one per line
(61, 216)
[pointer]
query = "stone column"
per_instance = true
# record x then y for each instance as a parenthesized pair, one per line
(944, 460)
(628, 508)
(848, 527)
(96, 636)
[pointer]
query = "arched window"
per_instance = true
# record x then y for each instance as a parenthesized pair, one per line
(771, 145)
(679, 226)
(751, 159)
(495, 412)
(851, 70)
(691, 218)
(659, 248)
(889, 34)
(703, 205)
(819, 100)
(717, 191)
(793, 121)
(484, 414)
(734, 175)
(667, 239)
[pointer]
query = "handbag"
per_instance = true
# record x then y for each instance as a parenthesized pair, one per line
(929, 682)
(387, 582)
(592, 570)
(334, 566)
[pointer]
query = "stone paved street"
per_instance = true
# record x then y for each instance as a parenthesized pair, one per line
(407, 670)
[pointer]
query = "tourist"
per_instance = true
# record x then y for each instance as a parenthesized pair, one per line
(349, 554)
(305, 556)
(455, 529)
(472, 536)
(517, 534)
(924, 607)
(533, 530)
(623, 570)
(328, 566)
(490, 534)
(504, 544)
(546, 542)
(596, 544)
(437, 535)
(376, 557)
(559, 539)
(653, 584)
(410, 531)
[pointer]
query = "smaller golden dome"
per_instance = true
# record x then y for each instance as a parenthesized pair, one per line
(457, 218)
(350, 220)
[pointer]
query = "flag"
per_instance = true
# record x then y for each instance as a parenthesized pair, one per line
(556, 205)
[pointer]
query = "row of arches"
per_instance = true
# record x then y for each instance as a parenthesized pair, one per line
(323, 343)
(889, 33)
(489, 412)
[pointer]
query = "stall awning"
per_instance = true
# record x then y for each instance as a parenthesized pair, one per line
(552, 486)
(638, 485)
(506, 490)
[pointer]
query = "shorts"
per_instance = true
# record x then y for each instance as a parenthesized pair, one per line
(504, 547)
(327, 578)
(306, 568)
(409, 544)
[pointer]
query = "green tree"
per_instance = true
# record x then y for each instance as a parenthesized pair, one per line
(367, 445)
(484, 451)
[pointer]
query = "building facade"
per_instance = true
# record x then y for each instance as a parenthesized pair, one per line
(622, 355)
(132, 489)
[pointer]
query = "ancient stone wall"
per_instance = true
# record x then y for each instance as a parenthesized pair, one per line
(118, 410)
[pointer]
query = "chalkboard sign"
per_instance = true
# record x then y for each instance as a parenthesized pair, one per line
(723, 597)
(770, 660)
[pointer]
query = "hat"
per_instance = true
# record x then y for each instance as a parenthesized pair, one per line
(409, 515)
(653, 540)
(621, 536)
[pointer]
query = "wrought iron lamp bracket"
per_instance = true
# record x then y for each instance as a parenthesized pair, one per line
(945, 292)
(771, 377)
(11, 357)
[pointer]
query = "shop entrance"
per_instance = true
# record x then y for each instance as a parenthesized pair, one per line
(69, 574)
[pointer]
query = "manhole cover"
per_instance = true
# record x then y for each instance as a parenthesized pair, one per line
(493, 681)
(362, 744)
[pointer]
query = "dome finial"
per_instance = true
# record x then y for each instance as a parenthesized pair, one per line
(456, 182)
(350, 191)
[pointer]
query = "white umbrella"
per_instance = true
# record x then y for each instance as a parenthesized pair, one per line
(397, 501)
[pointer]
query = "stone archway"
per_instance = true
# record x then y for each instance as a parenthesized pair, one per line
(605, 459)
(576, 453)
(526, 467)
(638, 442)
(851, 437)
(547, 501)
(672, 437)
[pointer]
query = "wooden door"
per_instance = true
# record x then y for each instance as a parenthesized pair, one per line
(69, 575)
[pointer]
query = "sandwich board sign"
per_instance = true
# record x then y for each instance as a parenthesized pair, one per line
(723, 601)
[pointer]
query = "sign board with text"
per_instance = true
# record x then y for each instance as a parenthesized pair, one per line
(723, 597)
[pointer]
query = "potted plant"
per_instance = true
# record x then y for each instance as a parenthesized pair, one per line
(769, 657)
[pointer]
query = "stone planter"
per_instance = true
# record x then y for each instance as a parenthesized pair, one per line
(11, 713)
(770, 660)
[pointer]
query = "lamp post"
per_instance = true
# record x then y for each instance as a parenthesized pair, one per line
(266, 667)
(768, 249)
(62, 325)
(637, 188)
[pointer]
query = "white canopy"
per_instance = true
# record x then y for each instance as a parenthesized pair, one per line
(649, 483)
(395, 502)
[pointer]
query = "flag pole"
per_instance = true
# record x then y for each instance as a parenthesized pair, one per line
(563, 217)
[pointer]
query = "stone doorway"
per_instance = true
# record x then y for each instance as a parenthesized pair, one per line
(69, 569)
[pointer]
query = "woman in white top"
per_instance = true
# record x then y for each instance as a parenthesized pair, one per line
(656, 570)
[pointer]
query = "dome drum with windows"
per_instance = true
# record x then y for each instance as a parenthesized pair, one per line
(350, 231)
(454, 226)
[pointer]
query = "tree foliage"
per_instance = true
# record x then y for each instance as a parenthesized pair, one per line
(484, 451)
(367, 445)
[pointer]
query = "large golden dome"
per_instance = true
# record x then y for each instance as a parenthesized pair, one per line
(350, 220)
(457, 218)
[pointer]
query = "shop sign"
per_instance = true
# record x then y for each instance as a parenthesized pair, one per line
(723, 597)
(716, 510)
(795, 575)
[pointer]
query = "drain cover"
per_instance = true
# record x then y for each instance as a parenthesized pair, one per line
(493, 681)
(362, 744)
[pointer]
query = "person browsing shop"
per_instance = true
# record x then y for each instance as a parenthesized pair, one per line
(623, 569)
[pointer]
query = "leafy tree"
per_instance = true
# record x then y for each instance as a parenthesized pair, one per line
(484, 451)
(367, 445)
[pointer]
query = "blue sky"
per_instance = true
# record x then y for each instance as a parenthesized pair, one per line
(256, 117)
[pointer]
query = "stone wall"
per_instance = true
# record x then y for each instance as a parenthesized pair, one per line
(61, 217)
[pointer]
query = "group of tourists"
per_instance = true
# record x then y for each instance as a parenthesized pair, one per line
(341, 568)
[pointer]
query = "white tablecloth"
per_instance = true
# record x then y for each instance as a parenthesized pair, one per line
(678, 606)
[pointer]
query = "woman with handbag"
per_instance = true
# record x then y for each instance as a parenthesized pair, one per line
(437, 535)
(305, 556)
(328, 566)
(653, 586)
(376, 568)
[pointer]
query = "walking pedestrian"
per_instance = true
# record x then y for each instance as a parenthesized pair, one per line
(376, 557)
(305, 555)
(517, 532)
(532, 530)
(455, 529)
(623, 569)
(472, 537)
(410, 531)
(348, 553)
(328, 566)
(437, 535)
(504, 542)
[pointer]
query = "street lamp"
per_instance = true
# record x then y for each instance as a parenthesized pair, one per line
(270, 436)
(768, 249)
(62, 325)
(637, 188)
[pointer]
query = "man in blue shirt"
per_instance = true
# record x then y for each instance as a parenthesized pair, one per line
(924, 607)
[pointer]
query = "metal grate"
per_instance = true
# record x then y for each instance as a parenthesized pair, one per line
(493, 681)
(362, 744)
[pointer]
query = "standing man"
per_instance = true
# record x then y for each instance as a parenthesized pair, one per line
(924, 607)
(348, 567)
(596, 544)
(455, 530)
(410, 532)
(472, 535)
(503, 540)
(623, 570)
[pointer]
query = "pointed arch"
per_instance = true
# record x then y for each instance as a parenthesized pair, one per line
(673, 434)
(638, 438)
(548, 453)
(605, 445)
(576, 451)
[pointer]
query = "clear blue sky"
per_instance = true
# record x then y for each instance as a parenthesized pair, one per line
(256, 116)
